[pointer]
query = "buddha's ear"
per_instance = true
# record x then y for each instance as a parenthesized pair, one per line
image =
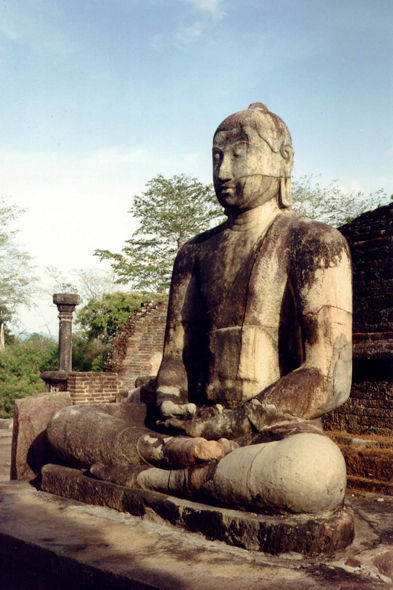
(285, 195)
(287, 152)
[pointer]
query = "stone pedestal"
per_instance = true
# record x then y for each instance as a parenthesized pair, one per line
(306, 534)
(55, 380)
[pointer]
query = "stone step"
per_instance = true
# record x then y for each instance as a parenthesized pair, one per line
(369, 485)
(366, 462)
(369, 461)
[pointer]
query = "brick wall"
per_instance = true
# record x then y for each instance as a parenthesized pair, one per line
(370, 239)
(137, 348)
(370, 406)
(369, 410)
(90, 388)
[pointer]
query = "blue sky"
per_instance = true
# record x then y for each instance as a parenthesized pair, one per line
(97, 97)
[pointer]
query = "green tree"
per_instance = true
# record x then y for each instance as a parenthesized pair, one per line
(21, 364)
(17, 281)
(170, 212)
(331, 204)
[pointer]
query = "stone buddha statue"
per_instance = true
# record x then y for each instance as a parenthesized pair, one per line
(257, 349)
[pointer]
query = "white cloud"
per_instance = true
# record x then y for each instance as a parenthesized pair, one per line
(213, 7)
(158, 41)
(189, 34)
(210, 13)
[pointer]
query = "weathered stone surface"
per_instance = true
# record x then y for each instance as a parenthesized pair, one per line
(31, 417)
(369, 461)
(97, 433)
(324, 534)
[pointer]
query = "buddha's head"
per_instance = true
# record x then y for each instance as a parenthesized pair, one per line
(252, 159)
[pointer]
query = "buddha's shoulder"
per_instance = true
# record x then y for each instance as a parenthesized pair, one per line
(207, 235)
(299, 231)
(190, 250)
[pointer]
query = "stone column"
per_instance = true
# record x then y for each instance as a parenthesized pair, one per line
(66, 303)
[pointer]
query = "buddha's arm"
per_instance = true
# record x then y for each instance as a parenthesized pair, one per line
(172, 385)
(322, 286)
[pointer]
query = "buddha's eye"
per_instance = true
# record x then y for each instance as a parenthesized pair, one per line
(216, 155)
(237, 155)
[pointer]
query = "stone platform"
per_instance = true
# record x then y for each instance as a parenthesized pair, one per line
(52, 543)
(271, 534)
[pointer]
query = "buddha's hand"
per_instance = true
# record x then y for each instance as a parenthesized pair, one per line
(262, 414)
(173, 402)
(212, 423)
(168, 409)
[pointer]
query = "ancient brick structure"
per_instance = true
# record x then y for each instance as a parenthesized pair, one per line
(91, 388)
(370, 238)
(137, 348)
(370, 407)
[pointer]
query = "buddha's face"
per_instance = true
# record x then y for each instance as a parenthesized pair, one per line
(244, 168)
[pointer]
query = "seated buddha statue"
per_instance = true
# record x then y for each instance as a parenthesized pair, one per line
(257, 348)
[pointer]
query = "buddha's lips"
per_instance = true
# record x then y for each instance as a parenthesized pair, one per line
(226, 187)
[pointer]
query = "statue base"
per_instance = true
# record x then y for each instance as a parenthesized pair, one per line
(305, 534)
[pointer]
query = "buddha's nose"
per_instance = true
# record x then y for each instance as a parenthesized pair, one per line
(225, 170)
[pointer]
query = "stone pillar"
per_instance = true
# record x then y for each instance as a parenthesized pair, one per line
(66, 303)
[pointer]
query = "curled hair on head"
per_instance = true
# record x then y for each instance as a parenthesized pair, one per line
(258, 105)
(258, 117)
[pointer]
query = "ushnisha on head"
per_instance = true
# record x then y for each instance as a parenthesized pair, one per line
(252, 159)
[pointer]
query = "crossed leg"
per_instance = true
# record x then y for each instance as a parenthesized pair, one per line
(302, 474)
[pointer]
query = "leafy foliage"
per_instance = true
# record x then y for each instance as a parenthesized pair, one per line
(17, 282)
(331, 204)
(170, 211)
(101, 318)
(87, 355)
(20, 366)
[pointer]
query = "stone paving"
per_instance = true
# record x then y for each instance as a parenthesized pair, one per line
(5, 454)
